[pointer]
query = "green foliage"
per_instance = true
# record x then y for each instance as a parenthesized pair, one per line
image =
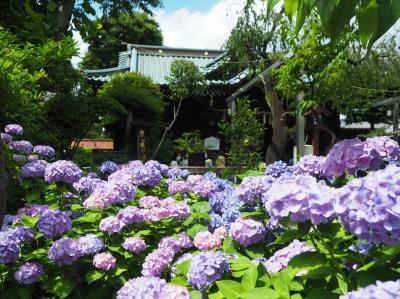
(374, 18)
(190, 142)
(243, 134)
(134, 92)
(105, 43)
(185, 80)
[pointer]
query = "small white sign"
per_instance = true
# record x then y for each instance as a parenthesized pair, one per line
(212, 143)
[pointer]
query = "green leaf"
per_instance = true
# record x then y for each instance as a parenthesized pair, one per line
(37, 254)
(33, 196)
(296, 296)
(388, 13)
(61, 286)
(229, 288)
(121, 269)
(196, 295)
(29, 221)
(255, 251)
(240, 263)
(25, 291)
(52, 6)
(289, 236)
(370, 276)
(296, 286)
(93, 276)
(367, 21)
(282, 282)
(192, 232)
(201, 208)
(260, 293)
(249, 278)
(184, 266)
(307, 261)
(270, 6)
(179, 280)
(145, 232)
(316, 293)
(291, 8)
(228, 246)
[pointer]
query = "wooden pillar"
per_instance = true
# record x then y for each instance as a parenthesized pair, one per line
(300, 136)
(396, 120)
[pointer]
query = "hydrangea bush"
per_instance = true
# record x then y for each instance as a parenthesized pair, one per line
(327, 228)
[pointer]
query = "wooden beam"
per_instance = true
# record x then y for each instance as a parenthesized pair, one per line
(386, 101)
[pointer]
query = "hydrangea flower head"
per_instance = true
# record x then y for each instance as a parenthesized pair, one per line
(206, 268)
(44, 151)
(387, 148)
(278, 169)
(90, 244)
(179, 187)
(65, 251)
(157, 261)
(104, 261)
(369, 207)
(29, 273)
(142, 288)
(22, 146)
(310, 164)
(5, 137)
(146, 176)
(134, 244)
(130, 215)
(111, 224)
(301, 197)
(87, 184)
(247, 231)
(172, 291)
(53, 223)
(14, 129)
(206, 241)
(9, 248)
(379, 290)
(33, 210)
(62, 171)
(34, 169)
(253, 187)
(108, 167)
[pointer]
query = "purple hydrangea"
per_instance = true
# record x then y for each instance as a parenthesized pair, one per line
(34, 169)
(387, 148)
(33, 210)
(206, 268)
(134, 244)
(179, 187)
(53, 223)
(29, 273)
(253, 187)
(348, 155)
(22, 234)
(310, 164)
(111, 192)
(148, 202)
(44, 151)
(65, 251)
(185, 240)
(157, 261)
(130, 215)
(20, 158)
(146, 176)
(176, 172)
(155, 164)
(87, 184)
(62, 171)
(22, 146)
(170, 243)
(362, 247)
(281, 258)
(111, 225)
(278, 169)
(108, 167)
(9, 248)
(379, 290)
(369, 207)
(247, 231)
(172, 291)
(142, 288)
(205, 188)
(104, 261)
(14, 129)
(6, 138)
(90, 244)
(301, 197)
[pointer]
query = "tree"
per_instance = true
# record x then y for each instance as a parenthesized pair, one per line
(105, 43)
(185, 80)
(37, 20)
(243, 134)
(137, 98)
(253, 42)
(374, 17)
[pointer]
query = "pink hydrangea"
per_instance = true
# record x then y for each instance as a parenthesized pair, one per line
(247, 231)
(220, 232)
(206, 241)
(111, 225)
(104, 261)
(172, 291)
(134, 244)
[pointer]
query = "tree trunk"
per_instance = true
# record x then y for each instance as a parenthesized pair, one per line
(279, 132)
(167, 129)
(3, 185)
(128, 136)
(64, 17)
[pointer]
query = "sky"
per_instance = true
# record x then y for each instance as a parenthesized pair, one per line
(190, 23)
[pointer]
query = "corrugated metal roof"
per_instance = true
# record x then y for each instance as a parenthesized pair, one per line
(157, 67)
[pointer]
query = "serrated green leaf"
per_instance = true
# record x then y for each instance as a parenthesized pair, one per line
(184, 266)
(249, 278)
(196, 295)
(192, 232)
